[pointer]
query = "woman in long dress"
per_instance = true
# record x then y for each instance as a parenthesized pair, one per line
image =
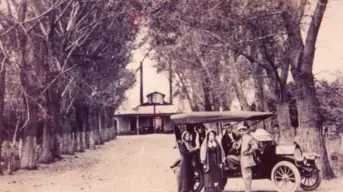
(213, 157)
(187, 151)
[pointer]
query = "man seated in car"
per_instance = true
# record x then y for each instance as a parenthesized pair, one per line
(228, 139)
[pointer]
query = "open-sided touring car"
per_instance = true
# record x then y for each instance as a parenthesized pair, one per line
(287, 166)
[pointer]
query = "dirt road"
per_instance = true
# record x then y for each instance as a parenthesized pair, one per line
(130, 163)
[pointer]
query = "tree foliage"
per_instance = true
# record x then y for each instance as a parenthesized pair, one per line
(62, 57)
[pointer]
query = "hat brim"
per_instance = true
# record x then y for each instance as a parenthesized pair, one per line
(227, 127)
(240, 128)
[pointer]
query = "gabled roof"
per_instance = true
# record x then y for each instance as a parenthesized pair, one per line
(152, 104)
(155, 92)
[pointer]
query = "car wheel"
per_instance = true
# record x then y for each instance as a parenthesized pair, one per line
(286, 177)
(198, 180)
(310, 179)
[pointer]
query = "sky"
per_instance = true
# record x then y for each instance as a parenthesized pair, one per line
(328, 58)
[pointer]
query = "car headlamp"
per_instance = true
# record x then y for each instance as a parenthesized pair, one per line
(298, 154)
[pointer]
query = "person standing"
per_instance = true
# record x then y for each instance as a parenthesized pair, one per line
(212, 157)
(185, 180)
(248, 146)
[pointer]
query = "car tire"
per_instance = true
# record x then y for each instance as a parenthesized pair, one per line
(283, 173)
(315, 185)
(198, 180)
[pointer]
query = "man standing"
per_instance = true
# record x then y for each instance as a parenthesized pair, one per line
(248, 146)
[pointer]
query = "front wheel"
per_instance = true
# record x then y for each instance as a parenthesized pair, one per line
(310, 179)
(286, 177)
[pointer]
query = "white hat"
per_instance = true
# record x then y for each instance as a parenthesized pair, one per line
(242, 127)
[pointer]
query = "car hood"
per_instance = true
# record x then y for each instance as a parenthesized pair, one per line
(262, 135)
(285, 149)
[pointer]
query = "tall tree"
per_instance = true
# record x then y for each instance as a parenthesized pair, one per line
(310, 118)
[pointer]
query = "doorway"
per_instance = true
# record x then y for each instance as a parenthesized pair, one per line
(133, 125)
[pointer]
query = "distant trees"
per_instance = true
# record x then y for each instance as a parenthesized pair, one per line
(63, 73)
(331, 103)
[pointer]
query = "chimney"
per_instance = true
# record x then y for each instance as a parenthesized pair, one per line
(141, 83)
(170, 84)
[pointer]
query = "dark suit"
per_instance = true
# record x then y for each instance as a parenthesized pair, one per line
(227, 142)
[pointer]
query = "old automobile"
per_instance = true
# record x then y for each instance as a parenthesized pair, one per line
(287, 166)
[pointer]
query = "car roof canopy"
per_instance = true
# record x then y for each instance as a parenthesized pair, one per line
(215, 116)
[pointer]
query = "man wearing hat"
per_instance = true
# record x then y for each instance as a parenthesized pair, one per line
(228, 139)
(248, 146)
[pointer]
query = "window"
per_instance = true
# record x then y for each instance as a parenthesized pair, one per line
(150, 100)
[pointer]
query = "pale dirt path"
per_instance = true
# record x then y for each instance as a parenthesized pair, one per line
(131, 163)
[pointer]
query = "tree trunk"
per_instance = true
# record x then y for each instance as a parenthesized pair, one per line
(207, 93)
(83, 138)
(85, 126)
(108, 124)
(310, 121)
(71, 144)
(226, 102)
(73, 126)
(215, 87)
(104, 125)
(79, 124)
(241, 97)
(108, 120)
(100, 128)
(111, 123)
(287, 132)
(50, 148)
(259, 92)
(2, 101)
(91, 123)
(96, 127)
(67, 142)
(46, 155)
(185, 91)
(28, 154)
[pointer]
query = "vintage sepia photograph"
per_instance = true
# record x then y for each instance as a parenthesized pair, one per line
(171, 95)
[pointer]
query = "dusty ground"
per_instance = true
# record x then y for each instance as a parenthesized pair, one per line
(131, 163)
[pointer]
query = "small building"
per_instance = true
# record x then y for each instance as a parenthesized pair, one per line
(152, 116)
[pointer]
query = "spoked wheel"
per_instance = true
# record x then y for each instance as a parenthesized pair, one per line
(198, 180)
(286, 177)
(310, 179)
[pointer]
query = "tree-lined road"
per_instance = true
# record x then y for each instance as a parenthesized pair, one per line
(130, 163)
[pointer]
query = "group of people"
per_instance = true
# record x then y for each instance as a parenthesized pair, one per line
(213, 153)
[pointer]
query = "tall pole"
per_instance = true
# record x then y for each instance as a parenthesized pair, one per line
(141, 74)
(141, 83)
(170, 84)
(154, 118)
